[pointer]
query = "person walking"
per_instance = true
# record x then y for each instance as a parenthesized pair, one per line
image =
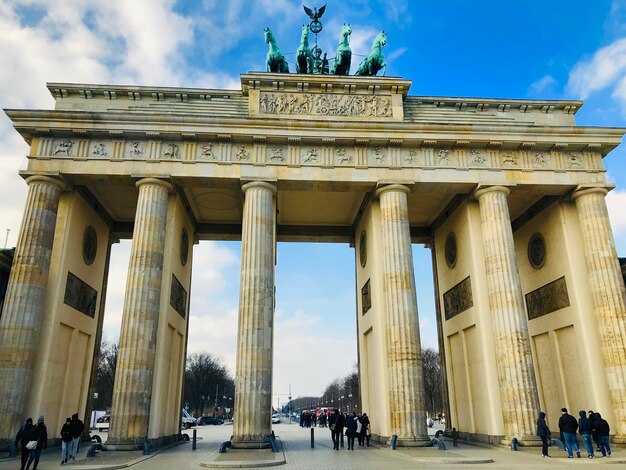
(66, 440)
(77, 431)
(603, 430)
(23, 437)
(594, 433)
(543, 431)
(585, 429)
(568, 426)
(365, 429)
(41, 433)
(351, 427)
(332, 424)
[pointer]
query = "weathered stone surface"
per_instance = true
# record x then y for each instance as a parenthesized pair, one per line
(24, 303)
(404, 353)
(255, 333)
(516, 375)
(608, 295)
(135, 367)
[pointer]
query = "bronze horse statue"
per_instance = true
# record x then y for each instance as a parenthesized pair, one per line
(343, 56)
(303, 53)
(275, 61)
(375, 61)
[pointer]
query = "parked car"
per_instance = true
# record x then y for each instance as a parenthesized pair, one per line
(102, 423)
(275, 418)
(187, 420)
(206, 420)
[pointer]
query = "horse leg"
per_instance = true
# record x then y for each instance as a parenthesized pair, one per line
(384, 67)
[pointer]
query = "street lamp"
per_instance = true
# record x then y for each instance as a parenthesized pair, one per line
(350, 400)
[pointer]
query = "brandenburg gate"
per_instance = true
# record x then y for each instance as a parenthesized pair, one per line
(508, 194)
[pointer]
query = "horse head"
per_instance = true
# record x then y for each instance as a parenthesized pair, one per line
(346, 31)
(305, 33)
(269, 36)
(380, 40)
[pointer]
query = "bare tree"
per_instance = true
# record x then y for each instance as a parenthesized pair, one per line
(433, 397)
(105, 375)
(207, 382)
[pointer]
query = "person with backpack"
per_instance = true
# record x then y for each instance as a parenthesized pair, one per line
(603, 430)
(23, 437)
(543, 431)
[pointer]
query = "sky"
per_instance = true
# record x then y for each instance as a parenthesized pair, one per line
(557, 49)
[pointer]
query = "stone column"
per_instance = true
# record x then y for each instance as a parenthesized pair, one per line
(404, 353)
(132, 390)
(516, 374)
(25, 301)
(608, 296)
(253, 389)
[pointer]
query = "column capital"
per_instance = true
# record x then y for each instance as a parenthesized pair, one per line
(584, 190)
(47, 179)
(482, 190)
(155, 181)
(393, 187)
(259, 184)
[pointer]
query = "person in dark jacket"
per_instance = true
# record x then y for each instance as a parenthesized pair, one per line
(41, 433)
(568, 426)
(603, 430)
(24, 435)
(351, 426)
(77, 431)
(365, 429)
(66, 440)
(585, 428)
(594, 434)
(543, 431)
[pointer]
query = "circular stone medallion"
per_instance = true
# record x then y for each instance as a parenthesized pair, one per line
(90, 245)
(363, 249)
(537, 250)
(450, 250)
(184, 247)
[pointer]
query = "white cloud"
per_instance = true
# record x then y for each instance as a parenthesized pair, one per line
(616, 201)
(545, 84)
(605, 69)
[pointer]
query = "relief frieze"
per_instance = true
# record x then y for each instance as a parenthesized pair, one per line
(458, 299)
(325, 104)
(547, 299)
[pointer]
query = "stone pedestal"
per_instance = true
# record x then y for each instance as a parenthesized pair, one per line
(516, 376)
(135, 365)
(253, 389)
(404, 354)
(608, 296)
(25, 301)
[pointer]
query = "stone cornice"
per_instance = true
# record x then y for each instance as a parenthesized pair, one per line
(178, 127)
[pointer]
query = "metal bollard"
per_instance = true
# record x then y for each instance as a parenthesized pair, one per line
(224, 446)
(394, 439)
(455, 438)
(514, 443)
(146, 448)
(312, 438)
(193, 444)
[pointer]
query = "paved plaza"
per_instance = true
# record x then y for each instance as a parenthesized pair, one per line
(298, 454)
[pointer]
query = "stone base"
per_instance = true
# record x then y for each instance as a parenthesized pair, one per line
(244, 458)
(619, 439)
(257, 443)
(137, 443)
(523, 441)
(422, 441)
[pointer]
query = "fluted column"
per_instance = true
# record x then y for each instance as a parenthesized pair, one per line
(404, 354)
(608, 296)
(253, 389)
(25, 301)
(516, 375)
(132, 390)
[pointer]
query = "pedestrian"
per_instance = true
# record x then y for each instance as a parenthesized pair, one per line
(568, 427)
(41, 433)
(594, 433)
(603, 430)
(351, 428)
(341, 422)
(543, 431)
(23, 437)
(359, 428)
(332, 425)
(66, 440)
(365, 429)
(77, 431)
(585, 429)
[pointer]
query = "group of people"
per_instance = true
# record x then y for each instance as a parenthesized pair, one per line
(357, 426)
(33, 438)
(592, 428)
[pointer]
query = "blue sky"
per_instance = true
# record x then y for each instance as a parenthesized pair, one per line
(556, 49)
